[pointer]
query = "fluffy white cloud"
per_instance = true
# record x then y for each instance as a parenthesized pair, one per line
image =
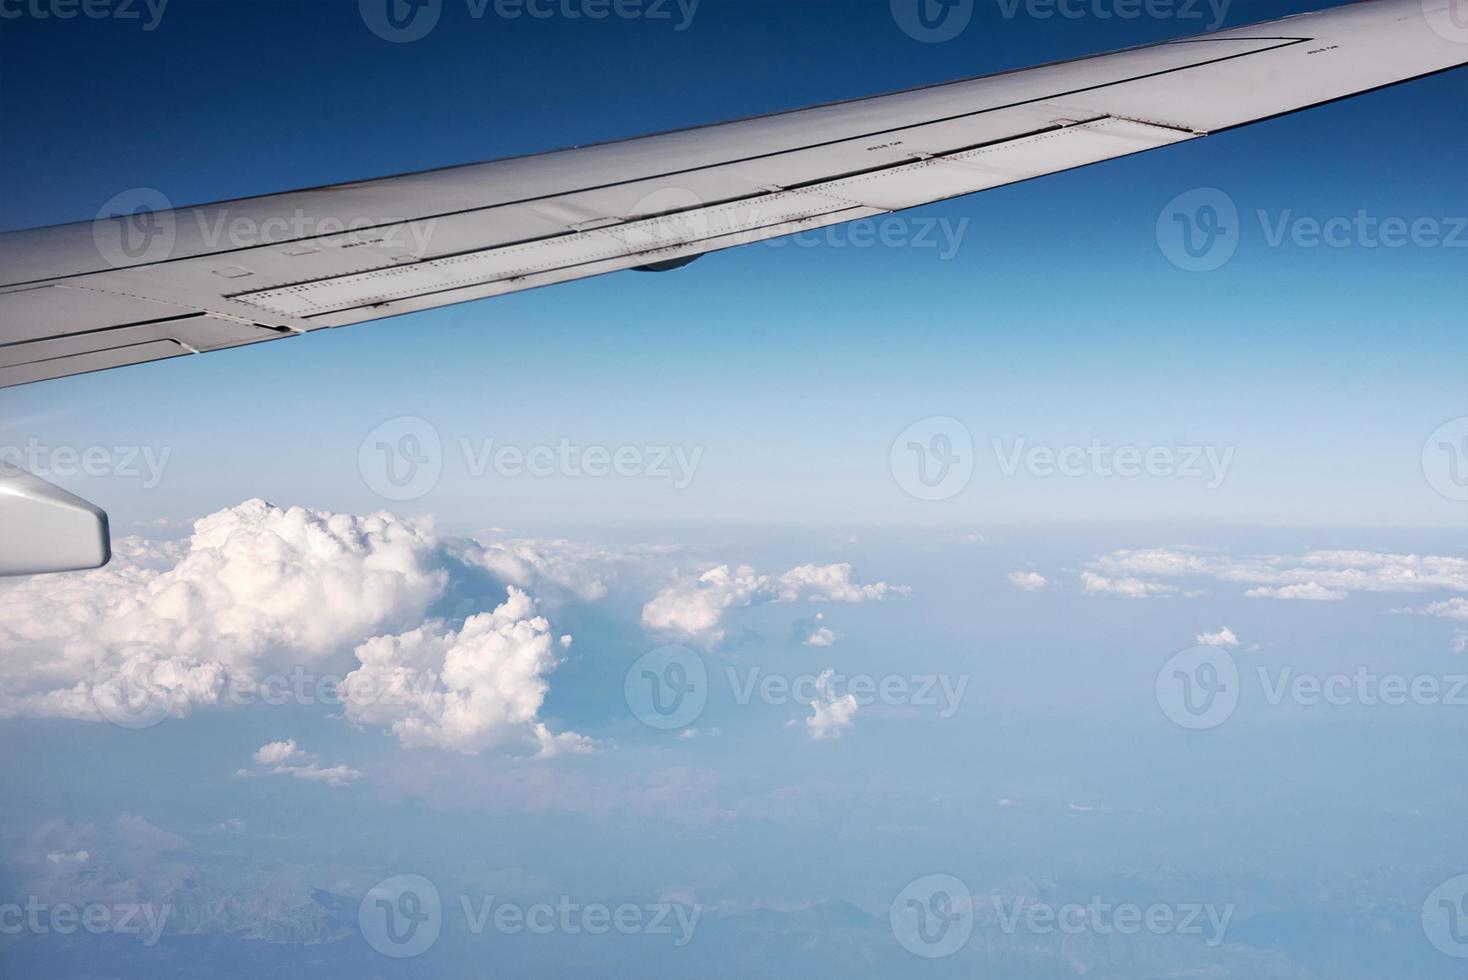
(471, 689)
(821, 636)
(1223, 638)
(1028, 581)
(256, 587)
(1130, 588)
(831, 716)
(286, 758)
(693, 609)
(815, 633)
(1305, 591)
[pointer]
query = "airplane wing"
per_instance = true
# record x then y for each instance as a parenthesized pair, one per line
(153, 282)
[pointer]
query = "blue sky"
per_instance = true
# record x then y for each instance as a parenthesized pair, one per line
(1324, 541)
(1055, 319)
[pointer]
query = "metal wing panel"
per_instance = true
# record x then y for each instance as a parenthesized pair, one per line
(298, 261)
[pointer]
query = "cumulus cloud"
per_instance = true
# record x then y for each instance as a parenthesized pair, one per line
(475, 688)
(831, 715)
(285, 758)
(1223, 638)
(1305, 591)
(256, 587)
(1028, 581)
(821, 636)
(1130, 588)
(692, 609)
(815, 633)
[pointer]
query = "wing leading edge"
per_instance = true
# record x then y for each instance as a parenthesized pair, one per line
(157, 282)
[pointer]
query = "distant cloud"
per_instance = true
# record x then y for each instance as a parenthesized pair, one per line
(832, 716)
(814, 632)
(1223, 638)
(1325, 575)
(1305, 591)
(285, 758)
(1131, 588)
(1460, 641)
(1455, 608)
(1028, 581)
(693, 609)
(821, 636)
